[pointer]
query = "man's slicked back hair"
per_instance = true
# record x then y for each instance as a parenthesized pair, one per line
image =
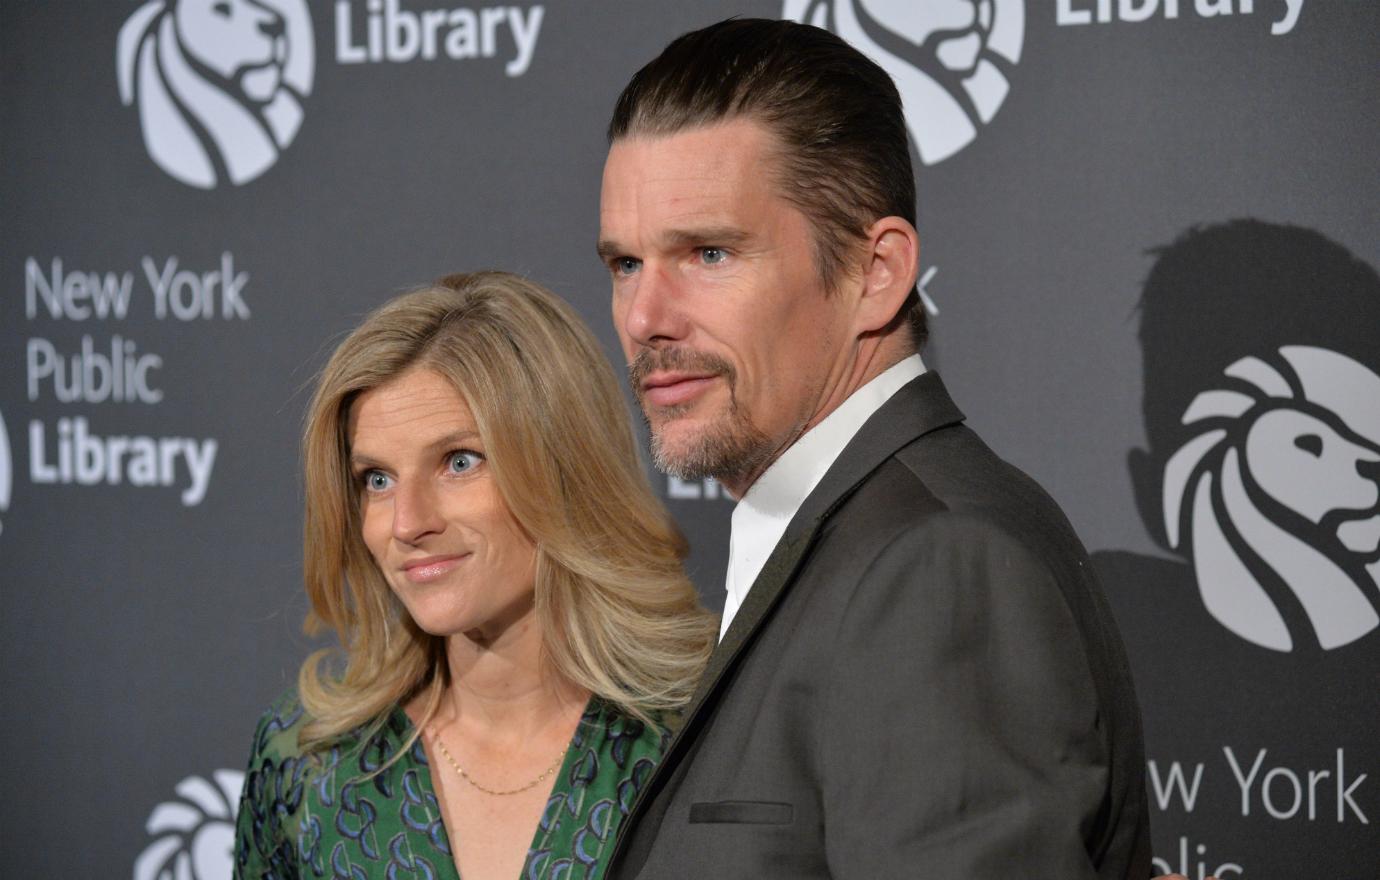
(844, 160)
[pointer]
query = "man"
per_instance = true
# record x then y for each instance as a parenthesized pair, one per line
(917, 673)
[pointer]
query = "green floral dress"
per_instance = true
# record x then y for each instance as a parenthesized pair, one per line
(315, 815)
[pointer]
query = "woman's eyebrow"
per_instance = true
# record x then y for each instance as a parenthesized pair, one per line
(454, 438)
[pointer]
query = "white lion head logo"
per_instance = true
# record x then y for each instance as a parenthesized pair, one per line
(1277, 497)
(951, 60)
(219, 83)
(195, 836)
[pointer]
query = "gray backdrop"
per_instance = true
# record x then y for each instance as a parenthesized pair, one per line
(1215, 157)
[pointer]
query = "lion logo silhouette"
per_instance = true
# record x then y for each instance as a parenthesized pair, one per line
(195, 834)
(218, 84)
(1282, 480)
(951, 60)
(1260, 475)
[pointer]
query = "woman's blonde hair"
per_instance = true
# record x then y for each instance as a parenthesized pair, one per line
(618, 616)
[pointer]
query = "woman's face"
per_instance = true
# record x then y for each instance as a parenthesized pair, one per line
(433, 517)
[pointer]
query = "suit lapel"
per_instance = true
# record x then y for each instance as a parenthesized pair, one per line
(921, 406)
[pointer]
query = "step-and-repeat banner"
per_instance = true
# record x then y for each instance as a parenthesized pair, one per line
(1150, 238)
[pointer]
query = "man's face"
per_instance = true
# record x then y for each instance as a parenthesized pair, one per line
(734, 346)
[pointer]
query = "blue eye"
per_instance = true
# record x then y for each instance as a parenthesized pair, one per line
(626, 265)
(376, 481)
(713, 256)
(463, 461)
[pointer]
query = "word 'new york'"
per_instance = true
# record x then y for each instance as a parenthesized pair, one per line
(178, 293)
(394, 34)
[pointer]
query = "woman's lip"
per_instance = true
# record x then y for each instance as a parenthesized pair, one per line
(675, 391)
(421, 571)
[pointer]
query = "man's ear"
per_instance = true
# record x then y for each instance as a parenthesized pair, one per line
(890, 266)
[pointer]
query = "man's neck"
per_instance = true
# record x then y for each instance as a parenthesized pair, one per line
(874, 356)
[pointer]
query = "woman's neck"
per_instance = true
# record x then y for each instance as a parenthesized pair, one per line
(500, 683)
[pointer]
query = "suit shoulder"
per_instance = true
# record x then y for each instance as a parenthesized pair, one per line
(964, 472)
(958, 477)
(946, 503)
(949, 480)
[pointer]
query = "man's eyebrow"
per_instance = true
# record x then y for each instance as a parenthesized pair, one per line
(704, 236)
(607, 249)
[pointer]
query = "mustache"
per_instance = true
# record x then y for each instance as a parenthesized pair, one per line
(650, 360)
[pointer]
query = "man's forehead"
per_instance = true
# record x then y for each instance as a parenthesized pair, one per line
(699, 175)
(700, 152)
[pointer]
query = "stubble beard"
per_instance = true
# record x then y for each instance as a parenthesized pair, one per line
(728, 449)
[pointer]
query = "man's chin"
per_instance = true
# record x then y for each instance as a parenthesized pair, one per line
(691, 450)
(678, 451)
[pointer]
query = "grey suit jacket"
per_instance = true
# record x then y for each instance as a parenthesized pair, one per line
(924, 681)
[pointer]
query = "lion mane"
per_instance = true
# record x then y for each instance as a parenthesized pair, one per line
(211, 81)
(951, 60)
(195, 833)
(1275, 496)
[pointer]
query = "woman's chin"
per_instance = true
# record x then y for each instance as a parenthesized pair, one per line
(482, 626)
(446, 628)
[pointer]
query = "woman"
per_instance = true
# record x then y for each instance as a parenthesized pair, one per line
(508, 594)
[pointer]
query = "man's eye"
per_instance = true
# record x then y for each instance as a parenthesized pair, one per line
(626, 265)
(463, 461)
(376, 481)
(713, 255)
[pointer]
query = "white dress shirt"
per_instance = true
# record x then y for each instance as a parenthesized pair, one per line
(761, 517)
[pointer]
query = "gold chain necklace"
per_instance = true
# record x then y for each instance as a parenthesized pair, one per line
(465, 776)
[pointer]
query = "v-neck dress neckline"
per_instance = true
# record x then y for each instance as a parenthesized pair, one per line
(315, 815)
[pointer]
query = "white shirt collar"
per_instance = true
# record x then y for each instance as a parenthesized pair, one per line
(761, 517)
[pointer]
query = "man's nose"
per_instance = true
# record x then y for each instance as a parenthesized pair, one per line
(415, 513)
(655, 311)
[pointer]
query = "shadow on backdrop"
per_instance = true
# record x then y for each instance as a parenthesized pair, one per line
(1261, 483)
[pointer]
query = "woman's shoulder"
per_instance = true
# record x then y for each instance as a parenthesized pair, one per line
(278, 731)
(278, 735)
(273, 790)
(291, 790)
